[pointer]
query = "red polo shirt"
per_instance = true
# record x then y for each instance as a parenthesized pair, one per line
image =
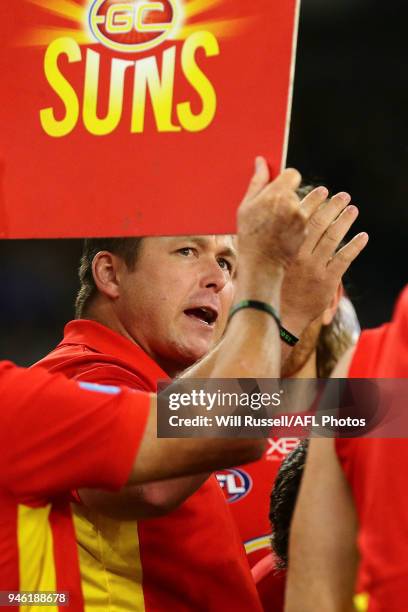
(55, 436)
(375, 469)
(193, 558)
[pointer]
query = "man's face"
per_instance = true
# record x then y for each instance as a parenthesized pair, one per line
(176, 301)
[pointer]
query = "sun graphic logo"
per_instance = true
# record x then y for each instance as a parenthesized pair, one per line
(168, 88)
(129, 27)
(132, 26)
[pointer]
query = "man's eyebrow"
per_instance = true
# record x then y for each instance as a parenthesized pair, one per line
(229, 252)
(202, 242)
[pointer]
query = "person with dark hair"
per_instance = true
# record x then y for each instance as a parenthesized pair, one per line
(151, 320)
(55, 436)
(270, 572)
(318, 350)
(248, 488)
(320, 347)
(351, 516)
(283, 499)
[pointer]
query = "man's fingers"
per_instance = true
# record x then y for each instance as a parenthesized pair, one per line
(342, 260)
(320, 221)
(336, 232)
(259, 179)
(288, 179)
(312, 202)
(286, 183)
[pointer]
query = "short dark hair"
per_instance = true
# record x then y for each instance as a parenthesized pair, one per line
(283, 500)
(126, 248)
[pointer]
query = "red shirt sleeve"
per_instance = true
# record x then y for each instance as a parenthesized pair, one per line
(110, 374)
(103, 373)
(56, 436)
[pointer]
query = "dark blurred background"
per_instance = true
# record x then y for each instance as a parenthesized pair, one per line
(349, 131)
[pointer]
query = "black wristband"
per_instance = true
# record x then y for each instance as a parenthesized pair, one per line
(262, 306)
(287, 337)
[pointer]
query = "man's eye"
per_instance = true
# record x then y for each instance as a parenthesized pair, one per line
(225, 264)
(185, 251)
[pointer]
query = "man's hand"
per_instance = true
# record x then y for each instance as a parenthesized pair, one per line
(313, 277)
(271, 228)
(271, 223)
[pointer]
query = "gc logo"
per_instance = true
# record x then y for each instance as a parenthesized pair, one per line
(133, 26)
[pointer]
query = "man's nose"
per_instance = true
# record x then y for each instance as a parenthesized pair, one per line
(213, 276)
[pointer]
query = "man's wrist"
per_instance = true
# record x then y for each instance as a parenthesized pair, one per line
(262, 285)
(256, 305)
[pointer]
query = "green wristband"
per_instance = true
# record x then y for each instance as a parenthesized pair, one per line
(287, 337)
(262, 306)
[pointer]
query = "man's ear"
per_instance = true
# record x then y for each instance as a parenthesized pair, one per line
(329, 313)
(106, 273)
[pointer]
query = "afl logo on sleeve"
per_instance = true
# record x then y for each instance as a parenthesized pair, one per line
(107, 389)
(235, 483)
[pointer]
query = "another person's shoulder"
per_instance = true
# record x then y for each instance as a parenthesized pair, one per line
(383, 352)
(401, 311)
(380, 353)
